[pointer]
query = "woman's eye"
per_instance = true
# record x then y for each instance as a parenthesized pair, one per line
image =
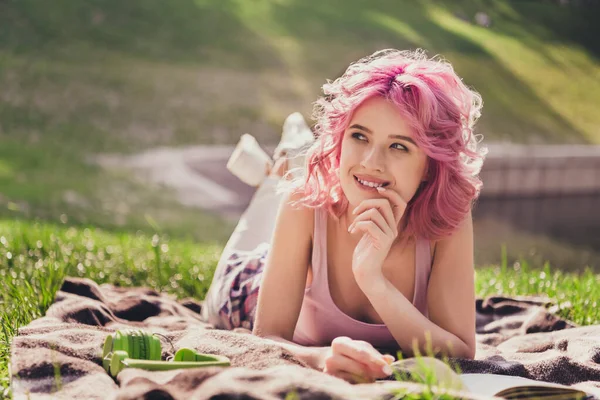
(399, 146)
(359, 136)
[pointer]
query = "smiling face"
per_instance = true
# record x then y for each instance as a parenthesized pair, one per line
(378, 148)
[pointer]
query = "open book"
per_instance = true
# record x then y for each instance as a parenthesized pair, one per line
(508, 387)
(516, 387)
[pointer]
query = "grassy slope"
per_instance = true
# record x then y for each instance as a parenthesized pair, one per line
(79, 78)
(177, 72)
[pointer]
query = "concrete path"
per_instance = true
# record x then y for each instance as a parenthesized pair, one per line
(197, 175)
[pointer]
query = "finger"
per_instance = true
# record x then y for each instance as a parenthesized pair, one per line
(357, 350)
(389, 358)
(382, 208)
(371, 359)
(348, 377)
(378, 369)
(369, 227)
(383, 205)
(398, 203)
(338, 362)
(374, 215)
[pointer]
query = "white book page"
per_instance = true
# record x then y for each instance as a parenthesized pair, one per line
(490, 384)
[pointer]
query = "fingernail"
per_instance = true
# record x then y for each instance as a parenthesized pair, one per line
(380, 188)
(387, 369)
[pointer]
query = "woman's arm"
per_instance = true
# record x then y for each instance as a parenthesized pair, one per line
(314, 357)
(284, 278)
(450, 300)
(451, 290)
(280, 300)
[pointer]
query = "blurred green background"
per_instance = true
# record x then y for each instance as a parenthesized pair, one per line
(82, 78)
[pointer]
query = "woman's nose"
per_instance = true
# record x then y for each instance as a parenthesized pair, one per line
(374, 160)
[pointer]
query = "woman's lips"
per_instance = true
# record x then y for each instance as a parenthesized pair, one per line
(371, 179)
(367, 188)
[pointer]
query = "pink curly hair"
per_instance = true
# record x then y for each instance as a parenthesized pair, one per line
(439, 108)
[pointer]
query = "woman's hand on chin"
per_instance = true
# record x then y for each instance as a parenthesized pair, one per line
(377, 220)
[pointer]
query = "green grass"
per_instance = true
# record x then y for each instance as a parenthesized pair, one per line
(577, 293)
(35, 258)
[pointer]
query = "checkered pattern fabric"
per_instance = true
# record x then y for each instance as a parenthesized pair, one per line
(244, 271)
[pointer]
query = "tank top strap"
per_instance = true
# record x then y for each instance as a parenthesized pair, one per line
(318, 263)
(422, 272)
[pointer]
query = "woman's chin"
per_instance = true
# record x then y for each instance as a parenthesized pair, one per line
(356, 194)
(354, 199)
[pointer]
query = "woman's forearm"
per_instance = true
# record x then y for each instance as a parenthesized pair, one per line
(313, 356)
(407, 324)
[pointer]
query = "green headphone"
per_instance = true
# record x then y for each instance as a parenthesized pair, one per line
(135, 348)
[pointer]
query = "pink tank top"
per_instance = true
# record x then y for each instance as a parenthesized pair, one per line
(320, 320)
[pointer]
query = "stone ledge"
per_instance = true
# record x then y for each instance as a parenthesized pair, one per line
(512, 170)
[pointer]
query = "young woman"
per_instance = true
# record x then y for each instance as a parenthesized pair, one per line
(370, 249)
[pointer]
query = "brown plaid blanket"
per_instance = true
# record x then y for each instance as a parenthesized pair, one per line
(59, 355)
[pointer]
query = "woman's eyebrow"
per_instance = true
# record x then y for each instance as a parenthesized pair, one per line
(401, 137)
(362, 128)
(408, 139)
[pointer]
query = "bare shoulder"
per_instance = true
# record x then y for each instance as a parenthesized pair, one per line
(462, 236)
(296, 216)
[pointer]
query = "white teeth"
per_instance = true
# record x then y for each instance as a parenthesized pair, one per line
(370, 184)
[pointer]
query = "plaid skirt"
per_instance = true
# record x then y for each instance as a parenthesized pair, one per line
(235, 289)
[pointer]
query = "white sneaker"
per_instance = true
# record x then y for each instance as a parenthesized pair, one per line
(295, 139)
(249, 161)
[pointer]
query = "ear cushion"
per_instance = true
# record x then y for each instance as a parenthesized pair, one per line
(143, 344)
(137, 345)
(156, 349)
(121, 342)
(106, 350)
(116, 364)
(151, 355)
(108, 345)
(133, 349)
(144, 354)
